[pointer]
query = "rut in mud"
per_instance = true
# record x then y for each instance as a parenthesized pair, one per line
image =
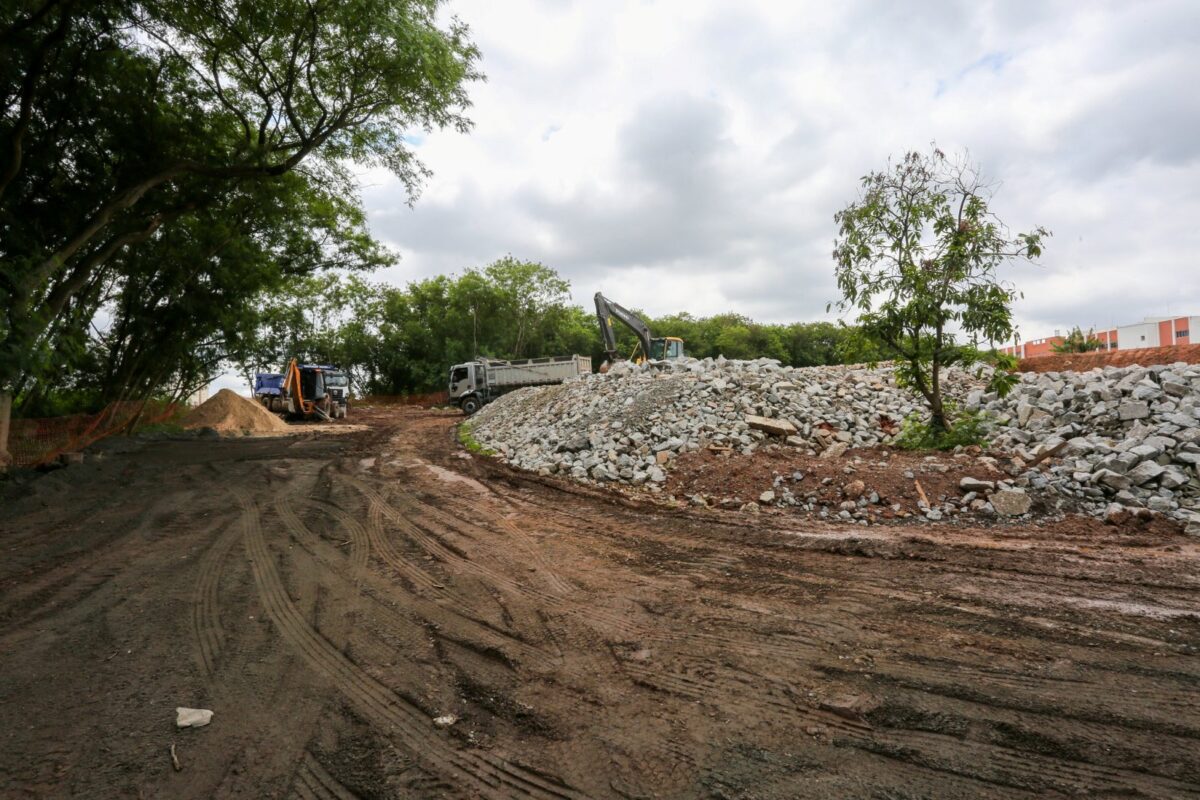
(331, 597)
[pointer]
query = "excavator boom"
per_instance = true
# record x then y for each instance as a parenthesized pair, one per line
(605, 310)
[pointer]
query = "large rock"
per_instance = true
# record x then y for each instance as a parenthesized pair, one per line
(1133, 409)
(1010, 502)
(976, 485)
(775, 427)
(1144, 473)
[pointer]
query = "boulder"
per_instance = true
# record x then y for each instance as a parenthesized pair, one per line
(1010, 502)
(1132, 409)
(775, 427)
(976, 485)
(1144, 473)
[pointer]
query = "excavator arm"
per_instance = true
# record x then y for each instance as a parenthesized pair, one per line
(606, 310)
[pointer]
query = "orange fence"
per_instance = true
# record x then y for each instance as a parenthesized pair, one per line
(431, 399)
(38, 441)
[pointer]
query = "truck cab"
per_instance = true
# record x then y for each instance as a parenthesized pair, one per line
(337, 385)
(468, 385)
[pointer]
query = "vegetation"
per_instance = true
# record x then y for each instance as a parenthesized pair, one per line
(917, 257)
(470, 443)
(1078, 342)
(168, 162)
(917, 433)
(402, 340)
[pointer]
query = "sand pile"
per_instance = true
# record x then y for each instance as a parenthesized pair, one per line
(229, 412)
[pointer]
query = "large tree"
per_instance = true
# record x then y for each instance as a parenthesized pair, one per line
(120, 119)
(917, 257)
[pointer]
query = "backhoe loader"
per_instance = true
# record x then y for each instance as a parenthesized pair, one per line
(314, 390)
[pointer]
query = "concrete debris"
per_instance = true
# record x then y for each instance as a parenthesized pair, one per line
(1129, 435)
(192, 717)
(1010, 502)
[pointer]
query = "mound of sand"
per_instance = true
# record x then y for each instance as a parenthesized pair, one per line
(229, 412)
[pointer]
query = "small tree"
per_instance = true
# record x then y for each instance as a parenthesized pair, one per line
(917, 256)
(1078, 342)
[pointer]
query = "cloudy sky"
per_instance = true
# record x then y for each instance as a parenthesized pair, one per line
(690, 155)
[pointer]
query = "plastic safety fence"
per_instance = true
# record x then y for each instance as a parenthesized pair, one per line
(431, 399)
(32, 442)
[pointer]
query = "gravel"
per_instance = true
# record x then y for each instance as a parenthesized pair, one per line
(1132, 434)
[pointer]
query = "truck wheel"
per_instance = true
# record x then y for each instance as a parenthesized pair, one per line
(470, 405)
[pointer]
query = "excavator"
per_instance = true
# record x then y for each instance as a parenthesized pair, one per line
(650, 347)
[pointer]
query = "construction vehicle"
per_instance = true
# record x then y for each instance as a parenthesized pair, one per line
(651, 347)
(303, 391)
(476, 383)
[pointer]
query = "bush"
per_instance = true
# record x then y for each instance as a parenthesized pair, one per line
(468, 441)
(917, 433)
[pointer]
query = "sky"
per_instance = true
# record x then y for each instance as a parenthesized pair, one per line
(690, 156)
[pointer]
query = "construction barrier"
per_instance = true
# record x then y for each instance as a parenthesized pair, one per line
(33, 442)
(1098, 359)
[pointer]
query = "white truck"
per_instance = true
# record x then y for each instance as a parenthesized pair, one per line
(476, 383)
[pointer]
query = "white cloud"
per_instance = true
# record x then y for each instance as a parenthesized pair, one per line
(691, 155)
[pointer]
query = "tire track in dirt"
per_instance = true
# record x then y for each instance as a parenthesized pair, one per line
(625, 626)
(360, 546)
(1022, 769)
(478, 773)
(698, 681)
(206, 612)
(451, 621)
(313, 782)
(463, 524)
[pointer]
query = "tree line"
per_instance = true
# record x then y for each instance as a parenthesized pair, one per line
(399, 340)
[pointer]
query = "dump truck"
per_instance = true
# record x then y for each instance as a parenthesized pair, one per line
(476, 383)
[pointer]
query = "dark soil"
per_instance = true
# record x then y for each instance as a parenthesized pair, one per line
(381, 615)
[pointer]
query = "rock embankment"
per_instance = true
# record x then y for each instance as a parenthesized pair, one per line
(1125, 437)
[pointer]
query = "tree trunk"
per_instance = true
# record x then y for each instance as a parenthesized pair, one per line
(5, 416)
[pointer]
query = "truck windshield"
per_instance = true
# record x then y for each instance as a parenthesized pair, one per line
(336, 379)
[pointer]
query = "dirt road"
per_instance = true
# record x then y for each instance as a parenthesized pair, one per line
(375, 615)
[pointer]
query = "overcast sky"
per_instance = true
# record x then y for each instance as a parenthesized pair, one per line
(689, 156)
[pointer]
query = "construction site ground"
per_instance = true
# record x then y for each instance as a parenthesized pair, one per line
(381, 615)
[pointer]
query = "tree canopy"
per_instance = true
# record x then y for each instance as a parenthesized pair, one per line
(164, 162)
(917, 258)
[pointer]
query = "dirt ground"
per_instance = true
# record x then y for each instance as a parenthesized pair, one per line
(380, 615)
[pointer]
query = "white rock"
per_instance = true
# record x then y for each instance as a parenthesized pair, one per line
(192, 717)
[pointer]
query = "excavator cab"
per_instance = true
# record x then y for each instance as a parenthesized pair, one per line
(666, 347)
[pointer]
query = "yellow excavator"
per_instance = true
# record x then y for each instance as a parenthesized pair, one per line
(649, 347)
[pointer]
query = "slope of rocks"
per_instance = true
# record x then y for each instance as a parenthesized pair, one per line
(1121, 437)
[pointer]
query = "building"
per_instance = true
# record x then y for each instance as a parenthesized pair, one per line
(1150, 332)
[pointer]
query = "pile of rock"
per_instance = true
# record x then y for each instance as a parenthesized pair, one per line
(1125, 436)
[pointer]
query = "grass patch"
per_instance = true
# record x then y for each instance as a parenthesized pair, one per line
(970, 428)
(468, 441)
(171, 426)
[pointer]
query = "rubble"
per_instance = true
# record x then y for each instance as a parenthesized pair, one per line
(1127, 435)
